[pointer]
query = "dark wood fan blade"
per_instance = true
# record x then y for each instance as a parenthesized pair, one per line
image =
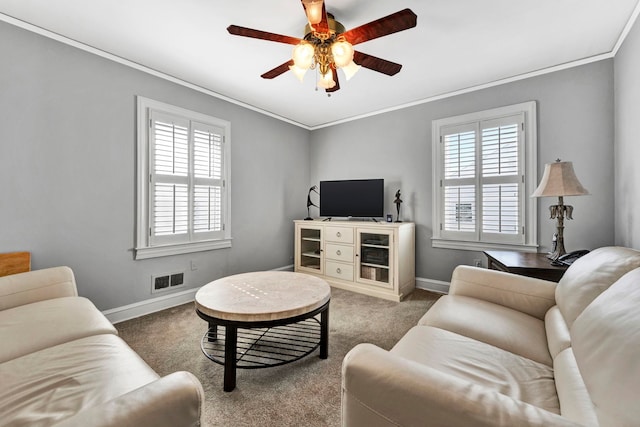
(323, 25)
(258, 34)
(376, 64)
(393, 23)
(335, 79)
(280, 69)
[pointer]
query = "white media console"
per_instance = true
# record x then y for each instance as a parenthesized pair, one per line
(372, 258)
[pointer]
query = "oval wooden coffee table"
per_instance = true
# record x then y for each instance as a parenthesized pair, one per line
(268, 319)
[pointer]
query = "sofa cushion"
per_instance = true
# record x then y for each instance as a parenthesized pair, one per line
(491, 323)
(558, 336)
(590, 275)
(37, 285)
(50, 385)
(479, 363)
(43, 324)
(575, 403)
(605, 340)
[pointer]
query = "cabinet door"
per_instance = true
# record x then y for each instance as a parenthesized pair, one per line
(309, 255)
(374, 257)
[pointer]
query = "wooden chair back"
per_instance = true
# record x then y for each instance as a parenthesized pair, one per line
(15, 262)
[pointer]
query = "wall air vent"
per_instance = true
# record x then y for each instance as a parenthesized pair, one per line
(167, 281)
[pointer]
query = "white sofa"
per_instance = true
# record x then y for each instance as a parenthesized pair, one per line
(507, 350)
(62, 363)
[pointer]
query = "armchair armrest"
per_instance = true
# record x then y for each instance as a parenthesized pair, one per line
(174, 400)
(525, 294)
(38, 285)
(381, 389)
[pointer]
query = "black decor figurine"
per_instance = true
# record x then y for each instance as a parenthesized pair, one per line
(310, 203)
(398, 201)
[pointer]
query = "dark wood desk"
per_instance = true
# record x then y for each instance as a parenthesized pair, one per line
(525, 264)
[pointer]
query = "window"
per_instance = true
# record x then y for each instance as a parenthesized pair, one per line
(484, 169)
(183, 181)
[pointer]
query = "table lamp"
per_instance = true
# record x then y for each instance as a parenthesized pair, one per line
(559, 180)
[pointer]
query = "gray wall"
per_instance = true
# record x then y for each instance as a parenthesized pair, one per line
(575, 123)
(627, 152)
(67, 171)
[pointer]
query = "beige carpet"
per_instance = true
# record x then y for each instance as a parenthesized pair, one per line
(303, 393)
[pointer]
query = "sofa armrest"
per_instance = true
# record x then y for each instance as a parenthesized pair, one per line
(525, 294)
(381, 389)
(174, 400)
(38, 285)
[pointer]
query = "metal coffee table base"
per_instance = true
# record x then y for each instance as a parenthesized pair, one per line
(264, 344)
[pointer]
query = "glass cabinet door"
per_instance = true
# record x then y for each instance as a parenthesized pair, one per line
(375, 258)
(310, 253)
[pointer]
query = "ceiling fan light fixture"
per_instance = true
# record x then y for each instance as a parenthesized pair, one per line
(350, 69)
(313, 8)
(342, 52)
(326, 46)
(303, 55)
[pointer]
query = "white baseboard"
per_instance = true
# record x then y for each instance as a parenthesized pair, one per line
(436, 286)
(137, 309)
(142, 308)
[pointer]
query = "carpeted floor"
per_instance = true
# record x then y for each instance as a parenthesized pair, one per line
(303, 393)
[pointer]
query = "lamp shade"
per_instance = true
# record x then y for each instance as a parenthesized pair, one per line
(350, 69)
(314, 10)
(559, 179)
(326, 81)
(303, 55)
(342, 53)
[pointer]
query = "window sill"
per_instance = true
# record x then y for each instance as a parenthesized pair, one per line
(182, 248)
(480, 246)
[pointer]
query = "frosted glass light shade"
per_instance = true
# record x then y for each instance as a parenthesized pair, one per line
(350, 69)
(342, 53)
(303, 55)
(326, 81)
(559, 179)
(298, 72)
(314, 10)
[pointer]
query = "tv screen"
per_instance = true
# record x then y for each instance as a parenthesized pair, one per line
(363, 198)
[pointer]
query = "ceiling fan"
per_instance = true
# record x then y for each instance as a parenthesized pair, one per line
(326, 45)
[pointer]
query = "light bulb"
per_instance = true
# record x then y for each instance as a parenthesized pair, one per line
(303, 55)
(342, 53)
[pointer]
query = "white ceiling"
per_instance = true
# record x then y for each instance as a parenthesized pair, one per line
(457, 45)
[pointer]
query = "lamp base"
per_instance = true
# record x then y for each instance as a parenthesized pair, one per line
(553, 256)
(559, 249)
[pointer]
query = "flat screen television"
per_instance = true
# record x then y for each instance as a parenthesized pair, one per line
(362, 198)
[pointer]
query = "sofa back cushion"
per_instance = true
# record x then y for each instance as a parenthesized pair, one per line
(590, 275)
(38, 285)
(606, 345)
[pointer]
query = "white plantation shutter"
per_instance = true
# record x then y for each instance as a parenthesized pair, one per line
(501, 175)
(480, 179)
(183, 200)
(208, 182)
(459, 183)
(169, 155)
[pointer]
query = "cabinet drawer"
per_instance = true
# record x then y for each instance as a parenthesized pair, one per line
(339, 271)
(339, 234)
(338, 252)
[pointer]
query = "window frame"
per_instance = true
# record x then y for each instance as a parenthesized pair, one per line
(145, 245)
(528, 207)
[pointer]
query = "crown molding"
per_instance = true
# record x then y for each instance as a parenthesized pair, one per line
(77, 44)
